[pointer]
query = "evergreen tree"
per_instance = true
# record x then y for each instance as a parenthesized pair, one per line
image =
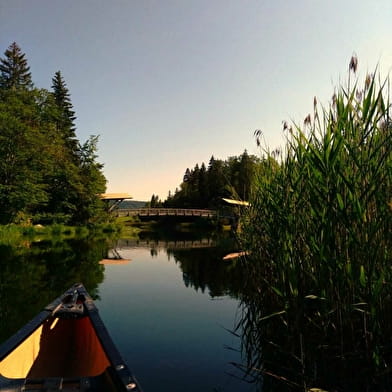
(15, 73)
(155, 202)
(152, 201)
(45, 175)
(194, 191)
(233, 168)
(65, 115)
(216, 182)
(211, 162)
(246, 172)
(187, 175)
(203, 187)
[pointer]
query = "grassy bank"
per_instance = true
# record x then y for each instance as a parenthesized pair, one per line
(14, 234)
(126, 227)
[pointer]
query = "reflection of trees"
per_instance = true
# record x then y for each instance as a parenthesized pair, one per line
(153, 252)
(297, 333)
(34, 275)
(292, 342)
(203, 269)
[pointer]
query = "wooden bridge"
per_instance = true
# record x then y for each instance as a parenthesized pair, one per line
(165, 212)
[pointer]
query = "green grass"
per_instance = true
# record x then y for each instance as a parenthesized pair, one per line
(13, 234)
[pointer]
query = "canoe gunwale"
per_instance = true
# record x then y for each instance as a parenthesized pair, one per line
(118, 372)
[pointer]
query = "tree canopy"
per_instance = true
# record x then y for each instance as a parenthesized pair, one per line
(204, 187)
(46, 174)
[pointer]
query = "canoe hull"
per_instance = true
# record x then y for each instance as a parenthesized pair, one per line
(65, 347)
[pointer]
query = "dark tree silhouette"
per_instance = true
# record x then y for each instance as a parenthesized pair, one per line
(15, 73)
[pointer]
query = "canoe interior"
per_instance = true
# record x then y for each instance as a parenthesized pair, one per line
(66, 347)
(58, 348)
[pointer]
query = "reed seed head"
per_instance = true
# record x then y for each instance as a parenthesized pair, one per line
(368, 80)
(334, 99)
(276, 153)
(258, 133)
(353, 63)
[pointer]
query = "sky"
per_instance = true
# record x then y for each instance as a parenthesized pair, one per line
(167, 84)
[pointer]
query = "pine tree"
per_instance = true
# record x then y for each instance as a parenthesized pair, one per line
(216, 181)
(152, 201)
(187, 175)
(203, 187)
(15, 73)
(211, 163)
(246, 172)
(194, 194)
(65, 115)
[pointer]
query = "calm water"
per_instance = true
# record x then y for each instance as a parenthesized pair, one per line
(173, 334)
(169, 309)
(173, 306)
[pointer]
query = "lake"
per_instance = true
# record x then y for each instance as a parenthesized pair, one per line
(170, 306)
(186, 320)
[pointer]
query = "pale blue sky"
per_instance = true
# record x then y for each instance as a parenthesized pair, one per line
(168, 83)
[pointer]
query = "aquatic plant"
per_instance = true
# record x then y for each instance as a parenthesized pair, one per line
(319, 234)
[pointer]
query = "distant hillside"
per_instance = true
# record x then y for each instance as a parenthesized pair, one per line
(128, 204)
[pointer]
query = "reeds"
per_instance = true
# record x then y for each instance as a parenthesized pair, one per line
(325, 211)
(319, 225)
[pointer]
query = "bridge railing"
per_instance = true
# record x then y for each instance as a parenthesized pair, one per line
(166, 212)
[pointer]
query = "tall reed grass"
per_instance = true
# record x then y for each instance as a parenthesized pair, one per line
(319, 224)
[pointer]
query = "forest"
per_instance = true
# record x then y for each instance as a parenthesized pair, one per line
(46, 174)
(204, 187)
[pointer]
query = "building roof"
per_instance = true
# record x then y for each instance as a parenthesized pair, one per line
(236, 202)
(115, 196)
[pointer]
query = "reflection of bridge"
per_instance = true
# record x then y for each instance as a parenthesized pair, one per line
(178, 244)
(165, 212)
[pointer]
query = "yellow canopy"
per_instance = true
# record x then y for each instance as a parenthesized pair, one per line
(236, 202)
(115, 196)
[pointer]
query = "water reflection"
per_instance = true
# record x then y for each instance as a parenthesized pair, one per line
(179, 309)
(199, 259)
(179, 334)
(288, 342)
(296, 341)
(32, 274)
(299, 342)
